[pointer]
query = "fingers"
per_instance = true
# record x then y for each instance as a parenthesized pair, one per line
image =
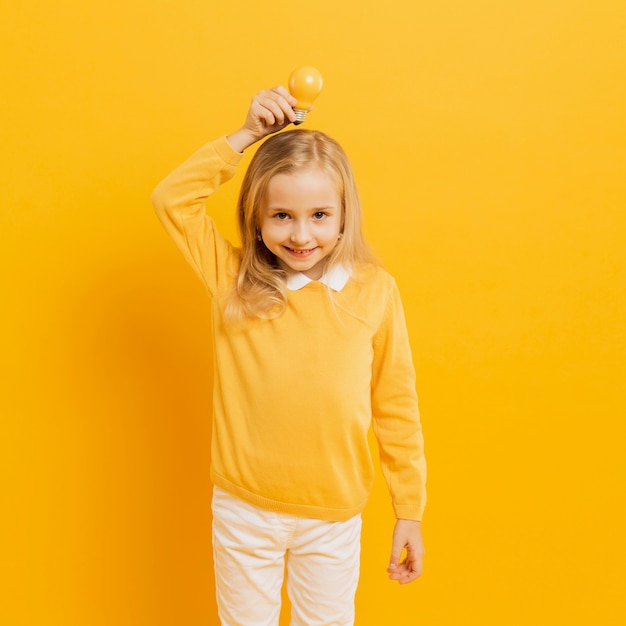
(408, 570)
(398, 543)
(272, 108)
(270, 111)
(396, 553)
(406, 536)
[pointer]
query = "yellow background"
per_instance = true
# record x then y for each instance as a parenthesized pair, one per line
(488, 139)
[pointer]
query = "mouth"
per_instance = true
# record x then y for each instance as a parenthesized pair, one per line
(300, 253)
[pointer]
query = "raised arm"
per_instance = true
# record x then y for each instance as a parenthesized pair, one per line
(179, 199)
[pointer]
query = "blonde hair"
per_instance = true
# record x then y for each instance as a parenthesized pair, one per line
(260, 291)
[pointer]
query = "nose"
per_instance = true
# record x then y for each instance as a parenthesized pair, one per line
(300, 233)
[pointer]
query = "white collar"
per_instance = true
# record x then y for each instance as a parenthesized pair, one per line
(335, 278)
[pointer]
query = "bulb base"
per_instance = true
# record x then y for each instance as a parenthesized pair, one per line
(300, 116)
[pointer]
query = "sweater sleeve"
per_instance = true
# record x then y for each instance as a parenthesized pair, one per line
(396, 419)
(179, 202)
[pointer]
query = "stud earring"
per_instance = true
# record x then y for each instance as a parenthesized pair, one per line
(340, 236)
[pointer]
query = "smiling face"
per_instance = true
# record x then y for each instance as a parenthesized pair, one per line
(301, 219)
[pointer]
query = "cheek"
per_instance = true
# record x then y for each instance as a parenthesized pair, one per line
(269, 232)
(332, 231)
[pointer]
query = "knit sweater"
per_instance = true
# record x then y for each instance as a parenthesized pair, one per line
(295, 396)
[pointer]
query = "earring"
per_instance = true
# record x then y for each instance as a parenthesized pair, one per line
(258, 236)
(340, 236)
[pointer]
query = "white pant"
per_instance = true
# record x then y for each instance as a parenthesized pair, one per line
(249, 549)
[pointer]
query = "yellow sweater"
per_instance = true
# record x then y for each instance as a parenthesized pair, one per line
(294, 397)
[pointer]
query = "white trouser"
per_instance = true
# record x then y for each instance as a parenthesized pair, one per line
(249, 549)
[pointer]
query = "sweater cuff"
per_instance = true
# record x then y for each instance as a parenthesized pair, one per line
(226, 152)
(407, 511)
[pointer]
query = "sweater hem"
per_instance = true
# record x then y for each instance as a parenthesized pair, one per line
(329, 514)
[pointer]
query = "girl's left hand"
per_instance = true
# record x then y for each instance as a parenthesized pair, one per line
(407, 535)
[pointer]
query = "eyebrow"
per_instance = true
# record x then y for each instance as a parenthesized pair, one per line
(280, 209)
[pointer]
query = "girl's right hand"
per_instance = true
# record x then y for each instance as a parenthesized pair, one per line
(270, 111)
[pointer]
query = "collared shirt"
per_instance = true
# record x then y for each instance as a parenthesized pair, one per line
(335, 278)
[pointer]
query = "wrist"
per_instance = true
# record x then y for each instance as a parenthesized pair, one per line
(241, 139)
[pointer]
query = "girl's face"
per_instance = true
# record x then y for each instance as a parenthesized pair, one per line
(300, 220)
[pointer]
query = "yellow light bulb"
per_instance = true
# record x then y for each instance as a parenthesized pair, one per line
(305, 84)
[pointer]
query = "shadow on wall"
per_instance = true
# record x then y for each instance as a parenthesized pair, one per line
(140, 375)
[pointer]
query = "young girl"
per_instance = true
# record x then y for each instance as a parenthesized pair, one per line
(311, 349)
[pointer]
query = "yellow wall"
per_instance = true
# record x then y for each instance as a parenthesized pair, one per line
(489, 140)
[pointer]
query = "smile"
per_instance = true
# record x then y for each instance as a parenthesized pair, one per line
(300, 253)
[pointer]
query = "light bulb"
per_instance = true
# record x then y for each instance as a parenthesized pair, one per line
(305, 84)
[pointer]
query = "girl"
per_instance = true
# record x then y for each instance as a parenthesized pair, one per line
(311, 349)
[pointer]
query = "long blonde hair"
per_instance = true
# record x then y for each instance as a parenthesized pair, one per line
(260, 291)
